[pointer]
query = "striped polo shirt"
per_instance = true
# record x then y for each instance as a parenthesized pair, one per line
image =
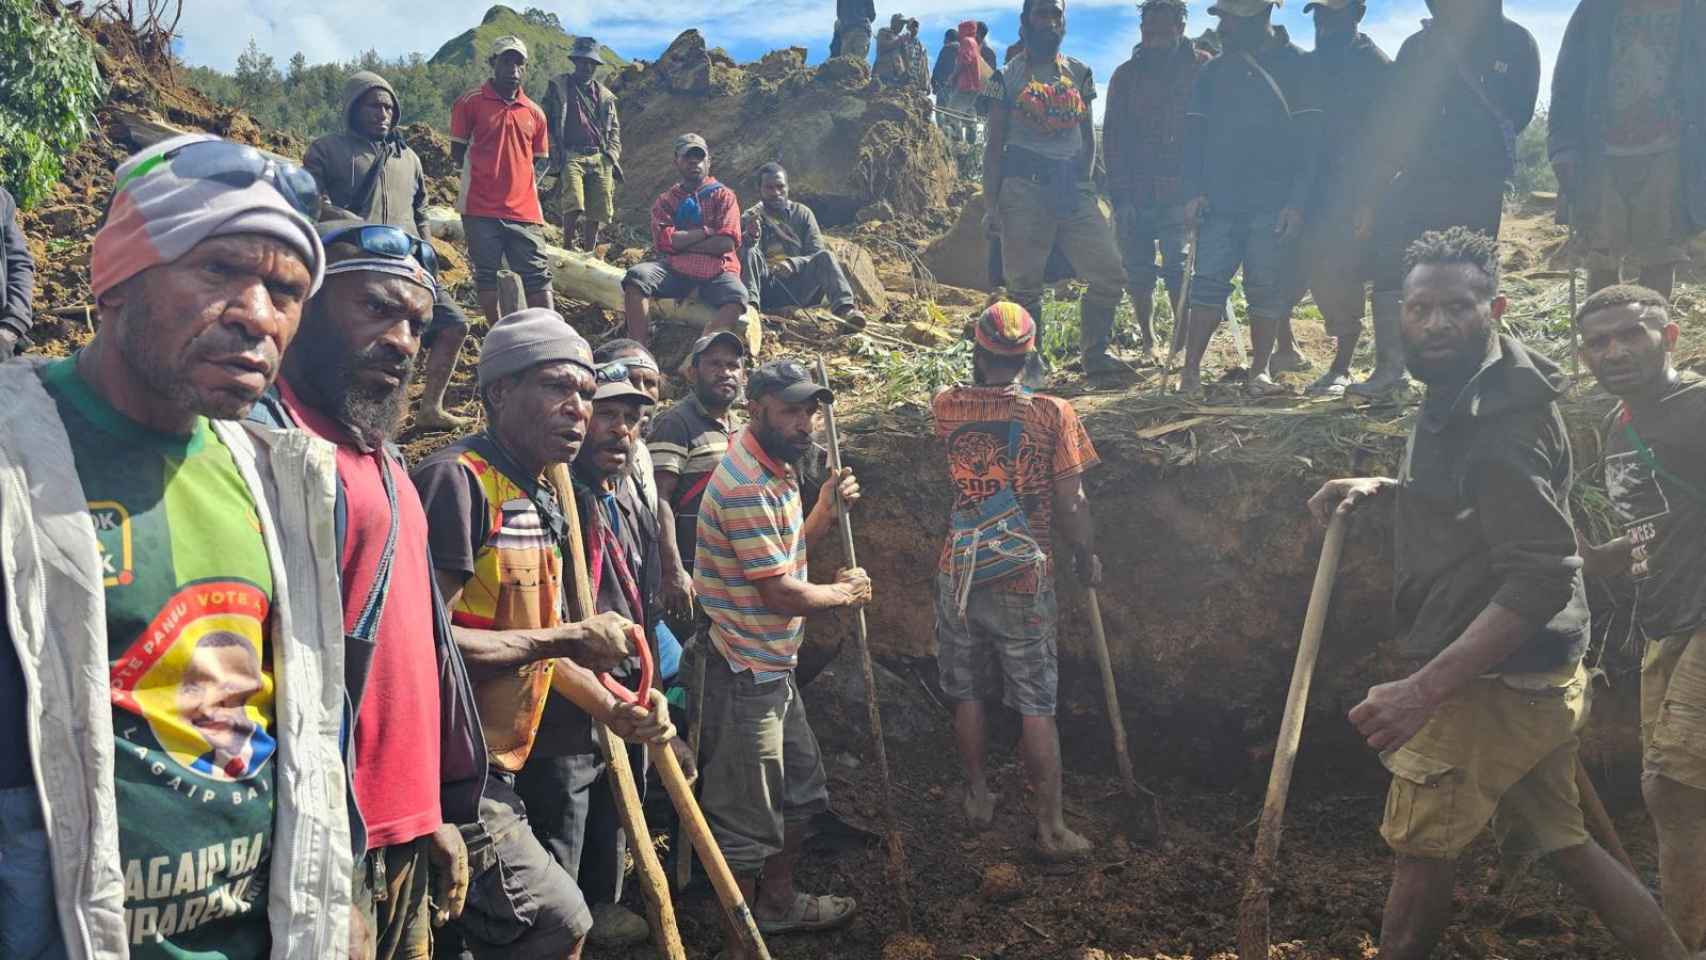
(750, 528)
(688, 442)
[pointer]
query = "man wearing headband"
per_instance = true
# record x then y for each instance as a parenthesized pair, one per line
(497, 533)
(345, 381)
(140, 520)
(367, 172)
(995, 615)
(566, 784)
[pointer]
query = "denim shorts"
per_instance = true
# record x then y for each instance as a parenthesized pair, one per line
(1227, 241)
(1005, 644)
(29, 922)
(656, 279)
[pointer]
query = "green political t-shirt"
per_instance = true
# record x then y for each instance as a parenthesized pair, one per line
(188, 593)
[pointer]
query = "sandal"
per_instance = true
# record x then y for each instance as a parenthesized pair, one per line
(832, 912)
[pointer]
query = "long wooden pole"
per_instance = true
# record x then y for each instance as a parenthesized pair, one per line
(1258, 885)
(1116, 720)
(897, 869)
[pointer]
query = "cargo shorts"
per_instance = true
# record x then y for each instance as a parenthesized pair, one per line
(1673, 709)
(1502, 752)
(493, 242)
(1634, 211)
(762, 769)
(588, 185)
(1005, 644)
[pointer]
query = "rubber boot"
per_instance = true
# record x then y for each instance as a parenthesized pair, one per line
(1095, 335)
(1389, 375)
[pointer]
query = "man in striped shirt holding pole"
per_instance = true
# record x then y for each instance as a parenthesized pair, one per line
(764, 778)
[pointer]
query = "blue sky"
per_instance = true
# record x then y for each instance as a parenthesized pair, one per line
(1100, 32)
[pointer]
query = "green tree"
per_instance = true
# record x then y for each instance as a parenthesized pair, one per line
(1533, 168)
(257, 78)
(49, 88)
(298, 66)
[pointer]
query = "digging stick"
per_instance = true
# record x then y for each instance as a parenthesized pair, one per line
(1575, 367)
(1181, 313)
(652, 879)
(695, 724)
(1599, 820)
(897, 854)
(1116, 720)
(1258, 885)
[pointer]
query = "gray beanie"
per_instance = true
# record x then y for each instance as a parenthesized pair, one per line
(528, 338)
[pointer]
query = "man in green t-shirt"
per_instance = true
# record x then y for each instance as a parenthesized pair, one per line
(188, 707)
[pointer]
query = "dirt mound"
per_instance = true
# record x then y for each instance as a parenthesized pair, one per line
(845, 145)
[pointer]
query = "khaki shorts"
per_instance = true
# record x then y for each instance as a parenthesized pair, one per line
(1673, 709)
(588, 186)
(1503, 745)
(1634, 212)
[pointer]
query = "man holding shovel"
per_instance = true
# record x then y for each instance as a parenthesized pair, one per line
(1489, 605)
(1017, 460)
(1655, 475)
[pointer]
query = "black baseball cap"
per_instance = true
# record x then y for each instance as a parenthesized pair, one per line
(789, 380)
(709, 340)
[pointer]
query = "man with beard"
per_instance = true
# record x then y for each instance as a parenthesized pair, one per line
(1037, 181)
(1017, 460)
(1490, 609)
(497, 534)
(696, 226)
(1462, 90)
(687, 443)
(1141, 142)
(1347, 72)
(1655, 474)
(566, 787)
(139, 519)
(785, 263)
(345, 381)
(764, 777)
(1250, 149)
(367, 172)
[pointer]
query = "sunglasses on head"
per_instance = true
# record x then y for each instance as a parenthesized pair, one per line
(386, 241)
(235, 165)
(612, 372)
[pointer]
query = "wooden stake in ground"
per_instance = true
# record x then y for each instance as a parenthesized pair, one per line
(897, 870)
(1111, 696)
(695, 726)
(1258, 885)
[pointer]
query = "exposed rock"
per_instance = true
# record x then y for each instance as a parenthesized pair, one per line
(1001, 882)
(861, 273)
(686, 66)
(881, 210)
(848, 73)
(961, 256)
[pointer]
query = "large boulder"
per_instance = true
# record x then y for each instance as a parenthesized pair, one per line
(845, 146)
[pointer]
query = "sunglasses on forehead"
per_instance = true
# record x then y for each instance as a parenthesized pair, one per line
(386, 241)
(612, 373)
(237, 166)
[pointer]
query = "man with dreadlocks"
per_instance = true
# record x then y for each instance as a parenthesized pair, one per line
(1491, 612)
(1037, 165)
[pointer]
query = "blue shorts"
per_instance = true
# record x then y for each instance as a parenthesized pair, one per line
(29, 922)
(1227, 241)
(1005, 644)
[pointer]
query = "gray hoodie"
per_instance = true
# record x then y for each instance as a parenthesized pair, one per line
(342, 162)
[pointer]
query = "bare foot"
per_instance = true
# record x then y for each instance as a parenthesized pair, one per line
(436, 418)
(1061, 845)
(978, 804)
(1190, 385)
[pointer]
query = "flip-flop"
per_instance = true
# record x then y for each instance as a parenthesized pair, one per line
(972, 823)
(832, 912)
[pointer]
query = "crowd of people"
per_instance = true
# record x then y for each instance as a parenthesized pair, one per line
(272, 691)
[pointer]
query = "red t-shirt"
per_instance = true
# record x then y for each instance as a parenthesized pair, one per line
(503, 137)
(397, 728)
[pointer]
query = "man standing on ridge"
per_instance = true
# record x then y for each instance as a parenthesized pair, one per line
(1624, 136)
(586, 145)
(696, 227)
(1491, 614)
(1250, 151)
(1443, 143)
(502, 143)
(1037, 181)
(1143, 144)
(368, 173)
(1347, 73)
(1654, 467)
(1017, 461)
